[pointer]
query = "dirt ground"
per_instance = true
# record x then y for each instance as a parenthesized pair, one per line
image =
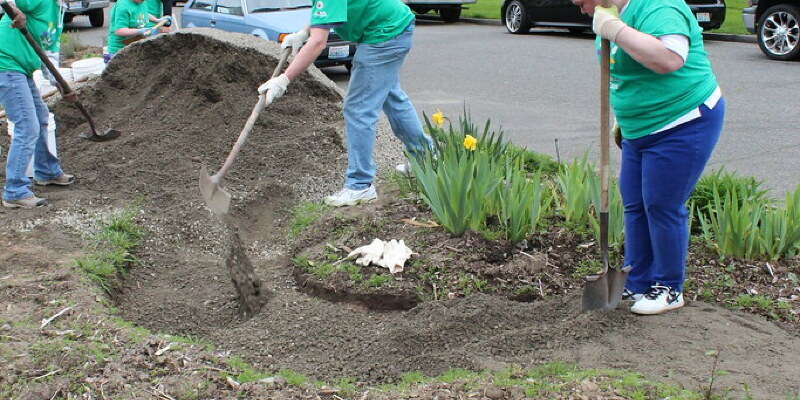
(180, 101)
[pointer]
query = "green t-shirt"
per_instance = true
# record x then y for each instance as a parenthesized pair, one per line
(154, 8)
(125, 14)
(363, 21)
(44, 24)
(644, 101)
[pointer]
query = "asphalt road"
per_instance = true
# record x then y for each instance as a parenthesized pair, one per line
(544, 86)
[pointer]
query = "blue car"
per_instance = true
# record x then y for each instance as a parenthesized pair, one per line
(268, 19)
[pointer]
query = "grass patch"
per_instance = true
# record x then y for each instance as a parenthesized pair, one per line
(111, 248)
(304, 215)
(378, 280)
(488, 9)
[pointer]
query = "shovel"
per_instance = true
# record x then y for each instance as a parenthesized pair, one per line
(63, 87)
(218, 199)
(603, 290)
(137, 38)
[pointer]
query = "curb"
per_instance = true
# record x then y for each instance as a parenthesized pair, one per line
(721, 37)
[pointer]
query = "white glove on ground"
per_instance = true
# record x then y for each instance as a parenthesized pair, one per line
(295, 40)
(395, 255)
(369, 254)
(274, 88)
(606, 22)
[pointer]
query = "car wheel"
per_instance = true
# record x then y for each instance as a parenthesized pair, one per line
(450, 14)
(516, 18)
(96, 17)
(779, 32)
(68, 17)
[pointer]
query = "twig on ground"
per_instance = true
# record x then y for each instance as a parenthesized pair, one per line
(46, 375)
(45, 322)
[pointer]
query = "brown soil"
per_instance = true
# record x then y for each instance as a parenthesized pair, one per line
(180, 101)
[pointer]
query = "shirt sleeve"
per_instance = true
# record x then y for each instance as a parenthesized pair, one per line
(678, 44)
(328, 12)
(27, 6)
(665, 20)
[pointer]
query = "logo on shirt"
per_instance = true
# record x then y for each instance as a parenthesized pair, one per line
(320, 5)
(47, 36)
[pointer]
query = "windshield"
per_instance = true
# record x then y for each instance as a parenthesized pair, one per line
(276, 5)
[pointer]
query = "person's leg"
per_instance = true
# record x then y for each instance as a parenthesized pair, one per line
(638, 249)
(671, 168)
(401, 113)
(376, 68)
(17, 100)
(46, 166)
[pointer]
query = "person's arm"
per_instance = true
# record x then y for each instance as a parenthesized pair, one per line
(317, 40)
(646, 49)
(649, 51)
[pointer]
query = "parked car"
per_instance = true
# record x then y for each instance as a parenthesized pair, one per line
(519, 16)
(776, 24)
(267, 19)
(449, 10)
(93, 8)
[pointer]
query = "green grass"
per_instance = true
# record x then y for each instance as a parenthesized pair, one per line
(304, 215)
(490, 9)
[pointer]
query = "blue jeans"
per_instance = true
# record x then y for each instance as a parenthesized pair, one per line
(657, 176)
(25, 108)
(375, 85)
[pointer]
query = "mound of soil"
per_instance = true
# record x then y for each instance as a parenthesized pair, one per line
(180, 101)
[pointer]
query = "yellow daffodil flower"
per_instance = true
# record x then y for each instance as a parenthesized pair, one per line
(470, 143)
(438, 118)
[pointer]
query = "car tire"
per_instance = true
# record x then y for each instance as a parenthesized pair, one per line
(96, 17)
(779, 32)
(68, 17)
(516, 18)
(450, 14)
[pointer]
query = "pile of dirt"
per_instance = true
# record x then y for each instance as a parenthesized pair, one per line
(181, 99)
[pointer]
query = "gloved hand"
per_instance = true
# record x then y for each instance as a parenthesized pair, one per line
(617, 131)
(274, 88)
(606, 22)
(144, 31)
(395, 255)
(368, 254)
(295, 40)
(167, 18)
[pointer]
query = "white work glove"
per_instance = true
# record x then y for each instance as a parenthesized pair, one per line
(295, 40)
(395, 255)
(369, 254)
(606, 22)
(274, 88)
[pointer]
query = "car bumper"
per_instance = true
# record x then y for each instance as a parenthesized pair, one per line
(77, 7)
(709, 16)
(749, 19)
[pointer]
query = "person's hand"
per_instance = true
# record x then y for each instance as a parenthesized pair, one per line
(144, 31)
(167, 18)
(274, 88)
(617, 131)
(20, 19)
(606, 22)
(295, 40)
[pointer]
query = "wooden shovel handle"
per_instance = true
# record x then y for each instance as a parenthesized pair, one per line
(605, 116)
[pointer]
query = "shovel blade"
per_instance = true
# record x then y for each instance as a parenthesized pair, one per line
(216, 198)
(109, 134)
(604, 291)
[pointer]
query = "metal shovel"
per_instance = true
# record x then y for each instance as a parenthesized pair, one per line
(218, 199)
(603, 291)
(63, 87)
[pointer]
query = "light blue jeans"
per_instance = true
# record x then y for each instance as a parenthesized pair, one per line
(375, 85)
(25, 108)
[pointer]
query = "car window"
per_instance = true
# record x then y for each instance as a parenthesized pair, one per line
(229, 7)
(201, 5)
(276, 5)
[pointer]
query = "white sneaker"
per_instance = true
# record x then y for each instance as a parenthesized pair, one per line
(404, 168)
(350, 197)
(628, 295)
(657, 300)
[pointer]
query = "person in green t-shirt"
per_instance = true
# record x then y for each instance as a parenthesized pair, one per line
(23, 103)
(156, 9)
(128, 18)
(382, 30)
(669, 110)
